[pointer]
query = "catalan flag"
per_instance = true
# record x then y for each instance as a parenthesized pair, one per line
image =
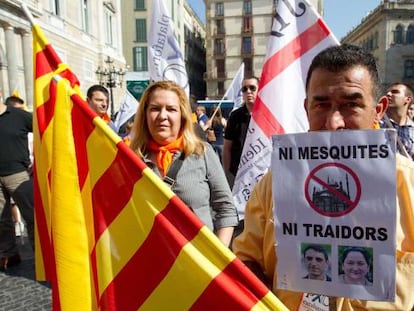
(111, 235)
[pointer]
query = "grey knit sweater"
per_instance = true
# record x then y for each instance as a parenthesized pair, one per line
(202, 185)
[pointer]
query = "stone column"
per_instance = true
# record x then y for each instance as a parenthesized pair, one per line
(11, 56)
(28, 66)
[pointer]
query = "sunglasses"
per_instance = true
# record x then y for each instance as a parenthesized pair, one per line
(252, 88)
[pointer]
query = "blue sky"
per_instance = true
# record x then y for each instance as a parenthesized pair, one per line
(341, 16)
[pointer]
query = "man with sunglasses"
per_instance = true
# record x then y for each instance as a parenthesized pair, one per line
(236, 129)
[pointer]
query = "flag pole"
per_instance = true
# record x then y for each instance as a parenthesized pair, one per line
(27, 13)
(217, 108)
(229, 88)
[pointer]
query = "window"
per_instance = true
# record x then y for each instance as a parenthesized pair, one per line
(246, 45)
(220, 87)
(220, 26)
(109, 26)
(141, 30)
(219, 9)
(218, 47)
(247, 7)
(139, 5)
(409, 69)
(247, 23)
(85, 9)
(398, 35)
(221, 68)
(140, 58)
(410, 35)
(55, 7)
(88, 71)
(248, 66)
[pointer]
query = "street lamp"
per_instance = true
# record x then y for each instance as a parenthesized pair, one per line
(110, 77)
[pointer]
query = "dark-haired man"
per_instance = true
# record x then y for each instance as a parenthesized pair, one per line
(400, 97)
(236, 129)
(342, 92)
(97, 97)
(316, 261)
(15, 179)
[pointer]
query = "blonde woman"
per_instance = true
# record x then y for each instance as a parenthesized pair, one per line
(163, 134)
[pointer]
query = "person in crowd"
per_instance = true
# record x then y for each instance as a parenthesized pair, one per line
(236, 130)
(197, 128)
(342, 92)
(17, 102)
(400, 97)
(217, 124)
(410, 111)
(164, 138)
(316, 262)
(202, 117)
(235, 134)
(355, 264)
(97, 97)
(15, 180)
(128, 132)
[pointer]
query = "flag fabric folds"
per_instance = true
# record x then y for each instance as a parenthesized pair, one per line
(126, 110)
(165, 60)
(298, 34)
(110, 234)
(233, 92)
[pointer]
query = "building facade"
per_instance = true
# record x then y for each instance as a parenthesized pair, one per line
(237, 31)
(189, 31)
(83, 33)
(388, 33)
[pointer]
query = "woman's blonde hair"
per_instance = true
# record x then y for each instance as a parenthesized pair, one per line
(192, 143)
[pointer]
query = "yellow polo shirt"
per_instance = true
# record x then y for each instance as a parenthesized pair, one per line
(257, 243)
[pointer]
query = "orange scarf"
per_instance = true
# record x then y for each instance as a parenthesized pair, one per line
(165, 153)
(106, 118)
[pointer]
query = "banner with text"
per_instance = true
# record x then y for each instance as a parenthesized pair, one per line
(165, 59)
(335, 212)
(298, 34)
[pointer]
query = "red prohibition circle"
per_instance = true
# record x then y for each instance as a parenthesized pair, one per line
(352, 203)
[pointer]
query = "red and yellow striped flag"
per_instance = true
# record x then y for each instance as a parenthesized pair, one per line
(111, 234)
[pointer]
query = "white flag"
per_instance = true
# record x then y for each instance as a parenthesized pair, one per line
(298, 34)
(126, 110)
(234, 90)
(165, 61)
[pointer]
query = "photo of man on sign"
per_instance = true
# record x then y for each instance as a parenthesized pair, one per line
(316, 261)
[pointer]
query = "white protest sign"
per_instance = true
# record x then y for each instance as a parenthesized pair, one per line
(335, 212)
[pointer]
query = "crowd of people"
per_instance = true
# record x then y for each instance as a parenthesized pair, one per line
(198, 155)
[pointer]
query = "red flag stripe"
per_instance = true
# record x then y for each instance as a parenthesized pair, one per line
(276, 64)
(42, 229)
(266, 120)
(82, 127)
(157, 254)
(241, 295)
(115, 200)
(282, 59)
(45, 112)
(46, 61)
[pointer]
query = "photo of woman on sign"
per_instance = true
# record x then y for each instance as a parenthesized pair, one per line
(355, 266)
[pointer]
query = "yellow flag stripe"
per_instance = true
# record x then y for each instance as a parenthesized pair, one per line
(70, 242)
(129, 230)
(195, 267)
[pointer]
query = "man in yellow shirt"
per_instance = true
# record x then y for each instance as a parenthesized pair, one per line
(342, 92)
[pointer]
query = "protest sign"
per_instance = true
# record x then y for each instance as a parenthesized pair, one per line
(335, 212)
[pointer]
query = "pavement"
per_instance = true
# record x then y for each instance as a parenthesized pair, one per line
(18, 289)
